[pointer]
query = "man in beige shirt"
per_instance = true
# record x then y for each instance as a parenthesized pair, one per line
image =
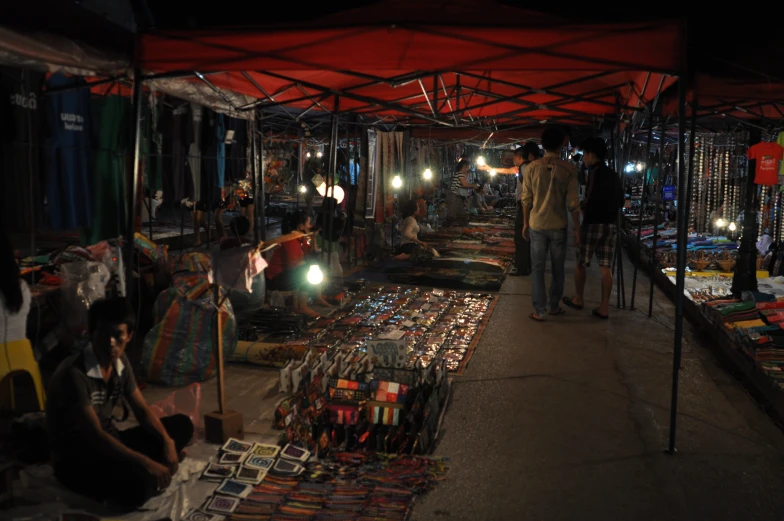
(549, 189)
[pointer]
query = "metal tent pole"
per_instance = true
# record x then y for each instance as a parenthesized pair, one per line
(680, 273)
(137, 144)
(643, 200)
(260, 173)
(745, 276)
(656, 196)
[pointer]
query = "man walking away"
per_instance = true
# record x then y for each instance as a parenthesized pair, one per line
(549, 188)
(604, 197)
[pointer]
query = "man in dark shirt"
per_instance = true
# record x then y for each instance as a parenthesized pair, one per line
(598, 231)
(91, 456)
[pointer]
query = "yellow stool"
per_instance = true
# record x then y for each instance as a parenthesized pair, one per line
(17, 357)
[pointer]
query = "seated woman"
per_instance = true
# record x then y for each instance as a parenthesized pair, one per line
(290, 262)
(244, 304)
(409, 231)
(15, 296)
(480, 202)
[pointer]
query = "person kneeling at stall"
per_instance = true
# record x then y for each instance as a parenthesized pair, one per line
(409, 232)
(91, 456)
(288, 267)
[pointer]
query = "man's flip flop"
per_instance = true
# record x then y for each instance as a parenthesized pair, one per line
(536, 318)
(596, 313)
(556, 312)
(568, 301)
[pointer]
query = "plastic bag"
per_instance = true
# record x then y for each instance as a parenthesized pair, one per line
(185, 401)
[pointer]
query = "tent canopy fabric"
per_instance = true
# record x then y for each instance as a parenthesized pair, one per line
(430, 62)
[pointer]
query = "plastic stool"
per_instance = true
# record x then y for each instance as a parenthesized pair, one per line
(17, 357)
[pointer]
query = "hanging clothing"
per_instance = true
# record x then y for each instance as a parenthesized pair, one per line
(21, 149)
(177, 182)
(69, 191)
(110, 163)
(767, 156)
(193, 139)
(220, 137)
(236, 145)
(213, 161)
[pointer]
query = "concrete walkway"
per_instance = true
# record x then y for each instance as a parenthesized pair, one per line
(568, 420)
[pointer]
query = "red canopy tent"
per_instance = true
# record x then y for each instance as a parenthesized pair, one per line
(452, 64)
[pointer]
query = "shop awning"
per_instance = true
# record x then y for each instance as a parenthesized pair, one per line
(452, 64)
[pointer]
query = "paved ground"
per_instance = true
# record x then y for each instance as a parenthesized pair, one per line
(568, 420)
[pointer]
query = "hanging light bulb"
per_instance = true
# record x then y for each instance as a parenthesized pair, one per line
(338, 193)
(303, 189)
(314, 275)
(640, 166)
(397, 182)
(492, 172)
(720, 222)
(428, 174)
(319, 153)
(629, 168)
(733, 227)
(480, 161)
(322, 189)
(307, 154)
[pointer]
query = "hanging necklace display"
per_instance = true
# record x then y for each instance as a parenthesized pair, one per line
(761, 219)
(726, 197)
(700, 187)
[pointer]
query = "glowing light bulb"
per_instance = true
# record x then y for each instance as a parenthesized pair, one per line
(303, 189)
(640, 166)
(428, 174)
(629, 168)
(397, 182)
(338, 193)
(480, 161)
(720, 222)
(322, 189)
(492, 172)
(733, 227)
(319, 154)
(314, 275)
(307, 154)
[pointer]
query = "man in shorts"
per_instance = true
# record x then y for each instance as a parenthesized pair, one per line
(598, 231)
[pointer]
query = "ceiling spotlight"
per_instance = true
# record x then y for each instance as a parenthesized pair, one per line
(428, 174)
(397, 182)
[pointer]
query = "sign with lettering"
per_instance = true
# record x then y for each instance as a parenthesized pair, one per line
(388, 353)
(668, 193)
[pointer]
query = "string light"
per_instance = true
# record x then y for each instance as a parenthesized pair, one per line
(314, 275)
(428, 174)
(397, 182)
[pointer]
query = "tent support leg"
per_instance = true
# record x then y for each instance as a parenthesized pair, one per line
(656, 196)
(643, 200)
(680, 274)
(137, 144)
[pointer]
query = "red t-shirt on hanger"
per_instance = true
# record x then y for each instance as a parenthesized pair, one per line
(767, 156)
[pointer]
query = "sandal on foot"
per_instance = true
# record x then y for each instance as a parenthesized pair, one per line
(568, 301)
(535, 317)
(596, 313)
(556, 312)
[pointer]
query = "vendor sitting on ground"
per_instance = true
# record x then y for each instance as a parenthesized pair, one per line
(289, 265)
(91, 457)
(480, 202)
(409, 231)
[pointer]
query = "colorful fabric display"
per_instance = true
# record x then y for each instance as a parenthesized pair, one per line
(384, 413)
(235, 268)
(341, 383)
(388, 392)
(343, 414)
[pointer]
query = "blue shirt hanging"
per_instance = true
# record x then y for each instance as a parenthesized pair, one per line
(69, 191)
